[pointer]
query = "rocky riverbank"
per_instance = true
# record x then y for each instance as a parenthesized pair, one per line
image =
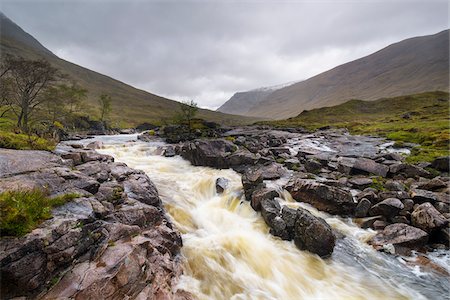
(356, 177)
(114, 241)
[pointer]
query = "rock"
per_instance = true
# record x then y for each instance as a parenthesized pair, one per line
(241, 158)
(271, 171)
(389, 208)
(169, 151)
(441, 163)
(292, 164)
(393, 156)
(393, 185)
(260, 194)
(379, 224)
(368, 222)
(392, 194)
(250, 181)
(443, 236)
(409, 170)
(313, 166)
(87, 156)
(363, 166)
(289, 215)
(400, 236)
(369, 195)
(400, 219)
(140, 188)
(323, 197)
(434, 184)
(277, 151)
(22, 161)
(360, 182)
(270, 208)
(313, 234)
(221, 184)
(427, 218)
(421, 196)
(95, 145)
(279, 228)
(408, 207)
(74, 156)
(121, 171)
(363, 207)
(211, 153)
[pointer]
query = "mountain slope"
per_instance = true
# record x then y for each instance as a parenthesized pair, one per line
(131, 106)
(411, 66)
(242, 103)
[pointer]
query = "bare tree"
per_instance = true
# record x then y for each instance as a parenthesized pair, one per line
(28, 80)
(105, 106)
(188, 110)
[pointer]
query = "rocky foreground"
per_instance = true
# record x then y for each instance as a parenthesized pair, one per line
(112, 242)
(352, 177)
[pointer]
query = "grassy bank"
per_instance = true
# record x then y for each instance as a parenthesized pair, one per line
(422, 119)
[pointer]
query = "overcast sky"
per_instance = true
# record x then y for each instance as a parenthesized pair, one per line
(208, 50)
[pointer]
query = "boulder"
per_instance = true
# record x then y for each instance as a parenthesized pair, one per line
(365, 166)
(221, 184)
(400, 236)
(360, 182)
(409, 171)
(313, 234)
(260, 194)
(323, 197)
(270, 208)
(289, 215)
(389, 208)
(169, 151)
(434, 184)
(427, 218)
(95, 145)
(251, 179)
(313, 166)
(242, 157)
(211, 153)
(421, 196)
(441, 163)
(393, 185)
(363, 207)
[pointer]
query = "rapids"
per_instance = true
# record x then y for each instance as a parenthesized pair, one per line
(229, 254)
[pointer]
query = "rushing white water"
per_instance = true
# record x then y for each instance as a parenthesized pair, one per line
(229, 254)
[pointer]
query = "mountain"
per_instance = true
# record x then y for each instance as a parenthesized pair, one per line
(241, 103)
(411, 66)
(130, 106)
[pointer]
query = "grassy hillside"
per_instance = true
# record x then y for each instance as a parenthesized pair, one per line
(130, 106)
(419, 118)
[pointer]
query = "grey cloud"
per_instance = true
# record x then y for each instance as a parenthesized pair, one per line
(207, 50)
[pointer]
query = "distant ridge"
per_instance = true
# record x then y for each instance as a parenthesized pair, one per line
(411, 66)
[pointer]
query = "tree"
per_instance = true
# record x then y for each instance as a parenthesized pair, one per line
(188, 110)
(28, 80)
(105, 106)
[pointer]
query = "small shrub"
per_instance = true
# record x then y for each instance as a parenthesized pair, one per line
(22, 211)
(230, 138)
(11, 140)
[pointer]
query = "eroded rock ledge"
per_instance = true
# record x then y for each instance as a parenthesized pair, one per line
(112, 242)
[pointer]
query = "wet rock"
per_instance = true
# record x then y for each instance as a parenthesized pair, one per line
(277, 151)
(313, 234)
(88, 156)
(221, 184)
(421, 196)
(74, 156)
(393, 194)
(427, 218)
(360, 182)
(368, 222)
(211, 153)
(408, 207)
(271, 171)
(289, 215)
(389, 208)
(393, 156)
(323, 197)
(121, 171)
(250, 181)
(409, 170)
(23, 161)
(369, 195)
(242, 157)
(292, 164)
(400, 236)
(95, 145)
(444, 236)
(270, 208)
(363, 207)
(379, 224)
(260, 194)
(169, 151)
(441, 163)
(279, 228)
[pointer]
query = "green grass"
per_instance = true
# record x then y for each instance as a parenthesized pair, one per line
(427, 125)
(20, 141)
(22, 211)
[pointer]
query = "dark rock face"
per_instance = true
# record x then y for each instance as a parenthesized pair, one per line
(427, 218)
(251, 179)
(221, 184)
(211, 153)
(313, 234)
(169, 151)
(400, 236)
(115, 235)
(388, 208)
(441, 163)
(409, 171)
(363, 207)
(261, 194)
(270, 209)
(323, 197)
(421, 196)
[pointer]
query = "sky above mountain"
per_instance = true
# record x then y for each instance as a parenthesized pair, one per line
(208, 50)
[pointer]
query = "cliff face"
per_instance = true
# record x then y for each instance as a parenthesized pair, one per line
(114, 241)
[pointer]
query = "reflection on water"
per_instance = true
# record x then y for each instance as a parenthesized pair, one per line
(230, 255)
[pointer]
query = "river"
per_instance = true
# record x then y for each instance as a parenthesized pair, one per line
(229, 254)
